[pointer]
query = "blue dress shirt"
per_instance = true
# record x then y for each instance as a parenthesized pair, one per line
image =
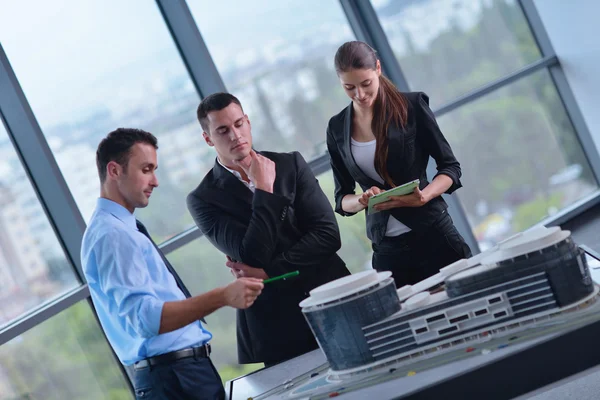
(129, 283)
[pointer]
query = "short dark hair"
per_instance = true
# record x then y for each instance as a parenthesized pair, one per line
(214, 102)
(116, 146)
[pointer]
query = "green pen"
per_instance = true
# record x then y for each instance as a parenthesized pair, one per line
(284, 276)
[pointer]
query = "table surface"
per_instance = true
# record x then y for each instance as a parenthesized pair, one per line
(268, 383)
(260, 382)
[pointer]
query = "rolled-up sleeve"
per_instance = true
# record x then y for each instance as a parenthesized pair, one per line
(433, 140)
(344, 182)
(124, 278)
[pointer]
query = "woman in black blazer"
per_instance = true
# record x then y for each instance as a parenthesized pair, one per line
(381, 140)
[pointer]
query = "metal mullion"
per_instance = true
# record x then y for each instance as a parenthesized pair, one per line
(568, 213)
(365, 24)
(52, 191)
(537, 27)
(562, 86)
(41, 167)
(497, 84)
(44, 313)
(30, 321)
(203, 73)
(122, 369)
(180, 240)
(320, 164)
(191, 46)
(577, 120)
(455, 207)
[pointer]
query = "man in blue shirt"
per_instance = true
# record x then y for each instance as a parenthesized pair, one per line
(148, 316)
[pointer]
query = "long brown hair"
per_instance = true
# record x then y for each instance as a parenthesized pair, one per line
(390, 105)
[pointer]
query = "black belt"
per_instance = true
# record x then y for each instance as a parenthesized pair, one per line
(167, 358)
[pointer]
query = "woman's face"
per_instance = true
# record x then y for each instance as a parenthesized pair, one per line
(361, 85)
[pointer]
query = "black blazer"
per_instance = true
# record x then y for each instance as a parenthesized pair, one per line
(408, 154)
(294, 228)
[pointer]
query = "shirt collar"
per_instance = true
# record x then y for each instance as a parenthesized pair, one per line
(117, 210)
(236, 174)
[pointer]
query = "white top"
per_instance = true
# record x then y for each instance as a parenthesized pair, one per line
(249, 185)
(364, 155)
(530, 241)
(344, 287)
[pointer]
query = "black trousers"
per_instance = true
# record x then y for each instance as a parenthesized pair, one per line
(413, 256)
(189, 378)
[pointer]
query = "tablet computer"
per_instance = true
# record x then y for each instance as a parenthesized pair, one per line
(401, 190)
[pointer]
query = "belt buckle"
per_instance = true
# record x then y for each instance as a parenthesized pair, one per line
(202, 351)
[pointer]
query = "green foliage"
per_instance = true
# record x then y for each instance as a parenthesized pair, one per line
(513, 140)
(65, 357)
(528, 214)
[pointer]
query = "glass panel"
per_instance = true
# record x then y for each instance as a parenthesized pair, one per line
(65, 357)
(520, 157)
(447, 48)
(280, 65)
(356, 247)
(202, 268)
(33, 266)
(102, 69)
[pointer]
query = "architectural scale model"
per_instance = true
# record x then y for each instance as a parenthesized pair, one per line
(533, 284)
(365, 326)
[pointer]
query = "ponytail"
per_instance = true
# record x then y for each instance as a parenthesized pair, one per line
(390, 107)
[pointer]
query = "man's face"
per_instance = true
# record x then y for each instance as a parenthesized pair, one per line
(229, 133)
(136, 182)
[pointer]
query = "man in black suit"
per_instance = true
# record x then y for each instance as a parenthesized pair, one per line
(268, 214)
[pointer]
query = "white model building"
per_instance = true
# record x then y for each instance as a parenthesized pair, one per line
(362, 323)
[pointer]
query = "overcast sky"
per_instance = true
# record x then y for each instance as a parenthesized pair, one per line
(60, 49)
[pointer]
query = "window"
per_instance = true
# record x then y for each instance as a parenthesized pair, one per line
(100, 66)
(33, 266)
(447, 48)
(520, 158)
(280, 65)
(459, 318)
(448, 330)
(66, 357)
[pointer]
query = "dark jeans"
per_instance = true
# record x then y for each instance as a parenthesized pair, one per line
(413, 256)
(188, 378)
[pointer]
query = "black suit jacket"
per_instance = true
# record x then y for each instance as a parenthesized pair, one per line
(294, 228)
(409, 149)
